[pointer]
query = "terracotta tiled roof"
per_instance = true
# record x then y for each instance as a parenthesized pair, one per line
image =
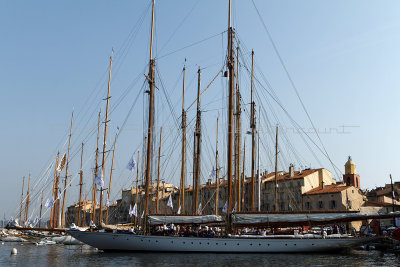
(285, 175)
(333, 188)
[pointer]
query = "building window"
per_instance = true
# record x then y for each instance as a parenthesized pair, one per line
(332, 204)
(320, 204)
(267, 207)
(308, 205)
(282, 206)
(266, 197)
(348, 180)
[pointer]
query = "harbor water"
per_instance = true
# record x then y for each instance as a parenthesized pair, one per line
(60, 255)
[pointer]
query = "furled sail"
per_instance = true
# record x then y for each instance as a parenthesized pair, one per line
(271, 218)
(158, 220)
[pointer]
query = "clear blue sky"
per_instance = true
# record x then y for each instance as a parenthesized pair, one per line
(342, 56)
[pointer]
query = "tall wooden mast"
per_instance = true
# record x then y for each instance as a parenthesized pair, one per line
(196, 151)
(151, 78)
(183, 164)
(216, 174)
(158, 174)
(103, 163)
(111, 173)
(40, 213)
(27, 201)
(238, 138)
(22, 199)
(137, 187)
(66, 171)
(84, 210)
(276, 170)
(231, 63)
(95, 172)
(243, 176)
(55, 189)
(253, 137)
(258, 164)
(80, 189)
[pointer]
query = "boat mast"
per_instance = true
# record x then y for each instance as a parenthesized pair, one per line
(55, 189)
(196, 151)
(27, 201)
(22, 199)
(216, 174)
(158, 174)
(84, 210)
(276, 170)
(66, 171)
(253, 135)
(258, 164)
(137, 187)
(95, 172)
(238, 134)
(391, 183)
(103, 164)
(111, 173)
(183, 166)
(243, 176)
(150, 121)
(230, 116)
(40, 213)
(80, 189)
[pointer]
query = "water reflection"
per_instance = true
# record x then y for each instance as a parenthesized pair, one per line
(58, 255)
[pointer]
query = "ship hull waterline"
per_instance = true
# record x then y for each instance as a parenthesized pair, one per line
(131, 242)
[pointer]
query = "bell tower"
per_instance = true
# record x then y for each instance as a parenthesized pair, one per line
(351, 177)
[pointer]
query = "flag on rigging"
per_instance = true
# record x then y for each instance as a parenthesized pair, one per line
(49, 203)
(199, 209)
(179, 210)
(130, 211)
(134, 210)
(107, 203)
(169, 204)
(142, 215)
(225, 209)
(131, 164)
(99, 179)
(212, 173)
(61, 164)
(36, 221)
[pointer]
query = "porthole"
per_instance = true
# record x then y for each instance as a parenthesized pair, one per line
(184, 242)
(225, 244)
(238, 244)
(192, 243)
(216, 243)
(285, 244)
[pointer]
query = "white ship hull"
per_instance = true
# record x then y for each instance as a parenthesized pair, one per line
(131, 242)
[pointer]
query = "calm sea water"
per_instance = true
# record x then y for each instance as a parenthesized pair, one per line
(60, 255)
